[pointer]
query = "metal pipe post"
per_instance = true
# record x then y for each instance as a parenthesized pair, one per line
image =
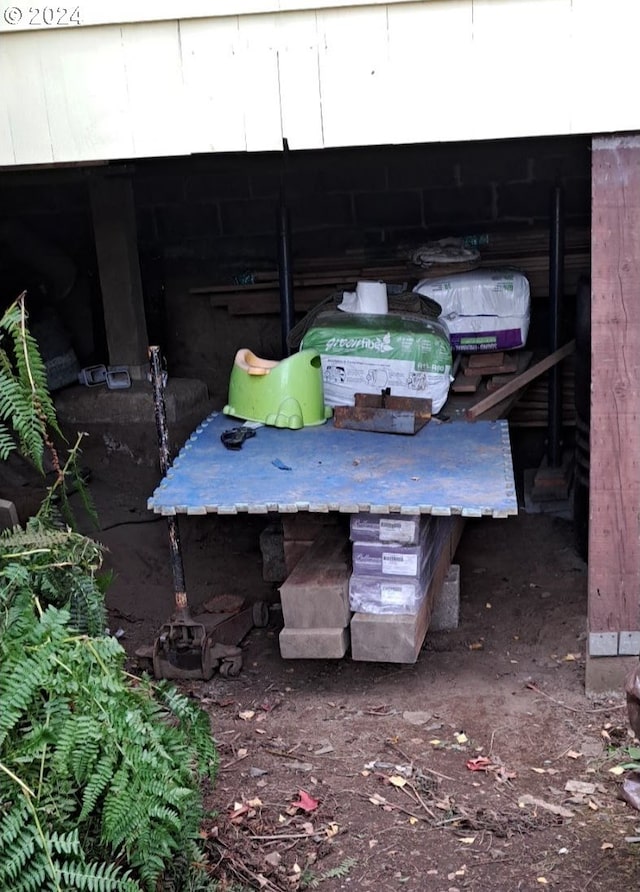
(556, 293)
(285, 272)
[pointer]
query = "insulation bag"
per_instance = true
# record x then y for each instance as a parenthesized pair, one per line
(411, 355)
(389, 578)
(401, 528)
(483, 309)
(386, 595)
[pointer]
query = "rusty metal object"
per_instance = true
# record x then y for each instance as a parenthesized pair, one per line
(384, 413)
(184, 648)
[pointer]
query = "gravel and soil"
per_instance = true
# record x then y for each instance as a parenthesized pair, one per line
(483, 766)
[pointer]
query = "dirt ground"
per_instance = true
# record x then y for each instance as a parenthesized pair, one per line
(483, 766)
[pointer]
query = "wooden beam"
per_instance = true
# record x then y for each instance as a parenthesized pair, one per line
(520, 381)
(614, 508)
(114, 226)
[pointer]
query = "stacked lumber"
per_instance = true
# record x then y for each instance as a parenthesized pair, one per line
(316, 278)
(493, 370)
(532, 409)
(520, 396)
(315, 601)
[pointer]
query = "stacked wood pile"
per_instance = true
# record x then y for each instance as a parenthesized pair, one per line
(532, 409)
(481, 374)
(492, 369)
(316, 278)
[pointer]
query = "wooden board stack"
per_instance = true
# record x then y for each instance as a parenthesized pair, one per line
(491, 369)
(318, 619)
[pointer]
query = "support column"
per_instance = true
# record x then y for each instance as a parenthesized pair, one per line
(114, 226)
(614, 479)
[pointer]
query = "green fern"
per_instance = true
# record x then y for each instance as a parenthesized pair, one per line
(27, 413)
(99, 773)
(339, 872)
(58, 567)
(83, 747)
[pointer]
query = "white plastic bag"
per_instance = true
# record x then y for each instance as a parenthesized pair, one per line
(483, 309)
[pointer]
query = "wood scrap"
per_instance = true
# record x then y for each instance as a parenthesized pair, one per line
(485, 360)
(519, 381)
(465, 383)
(504, 364)
(495, 382)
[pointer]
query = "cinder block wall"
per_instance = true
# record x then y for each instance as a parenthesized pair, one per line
(223, 208)
(207, 218)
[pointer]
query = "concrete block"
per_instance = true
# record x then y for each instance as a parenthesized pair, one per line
(313, 644)
(606, 675)
(316, 593)
(272, 550)
(629, 644)
(8, 515)
(445, 615)
(603, 644)
(99, 405)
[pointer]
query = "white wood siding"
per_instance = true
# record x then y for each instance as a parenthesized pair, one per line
(336, 74)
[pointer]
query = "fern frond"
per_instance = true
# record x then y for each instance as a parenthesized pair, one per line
(16, 406)
(97, 785)
(108, 768)
(16, 860)
(12, 822)
(95, 877)
(7, 443)
(19, 688)
(31, 369)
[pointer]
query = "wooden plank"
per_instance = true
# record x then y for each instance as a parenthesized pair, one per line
(459, 403)
(152, 62)
(520, 380)
(614, 545)
(354, 75)
(211, 58)
(443, 25)
(88, 114)
(24, 108)
(113, 214)
(259, 85)
(496, 50)
(464, 383)
(299, 77)
(316, 593)
(614, 556)
(496, 382)
(508, 366)
(265, 303)
(485, 360)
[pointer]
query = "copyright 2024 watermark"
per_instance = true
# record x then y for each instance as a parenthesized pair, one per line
(42, 16)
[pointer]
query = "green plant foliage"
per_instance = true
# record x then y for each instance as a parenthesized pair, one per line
(312, 881)
(27, 412)
(99, 775)
(59, 567)
(100, 772)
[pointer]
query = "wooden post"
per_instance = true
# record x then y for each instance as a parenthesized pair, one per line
(114, 226)
(614, 479)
